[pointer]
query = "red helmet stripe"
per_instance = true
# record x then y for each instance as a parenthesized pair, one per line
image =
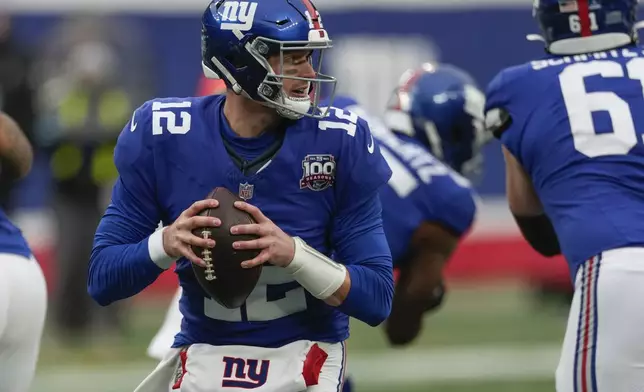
(314, 16)
(412, 80)
(584, 17)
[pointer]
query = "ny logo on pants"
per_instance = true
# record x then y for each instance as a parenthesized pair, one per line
(244, 373)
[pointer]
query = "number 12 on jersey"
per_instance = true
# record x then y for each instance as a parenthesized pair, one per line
(275, 296)
(581, 104)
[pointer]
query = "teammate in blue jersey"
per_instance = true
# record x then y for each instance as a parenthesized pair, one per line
(431, 134)
(571, 126)
(23, 292)
(310, 180)
(428, 206)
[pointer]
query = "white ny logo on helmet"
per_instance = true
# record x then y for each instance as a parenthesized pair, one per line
(239, 15)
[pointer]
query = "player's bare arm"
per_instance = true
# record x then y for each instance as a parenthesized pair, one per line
(522, 197)
(284, 251)
(420, 285)
(16, 154)
(527, 208)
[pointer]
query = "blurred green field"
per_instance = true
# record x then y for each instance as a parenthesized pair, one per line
(524, 386)
(488, 339)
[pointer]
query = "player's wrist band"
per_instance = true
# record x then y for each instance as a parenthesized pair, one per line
(157, 252)
(318, 274)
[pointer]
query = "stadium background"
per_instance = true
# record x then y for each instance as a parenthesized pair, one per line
(490, 335)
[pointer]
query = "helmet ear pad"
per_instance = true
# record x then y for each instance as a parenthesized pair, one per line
(247, 66)
(270, 90)
(246, 71)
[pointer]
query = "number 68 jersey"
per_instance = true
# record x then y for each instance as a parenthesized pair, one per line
(576, 125)
(321, 185)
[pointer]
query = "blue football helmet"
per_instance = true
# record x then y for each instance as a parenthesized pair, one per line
(441, 106)
(584, 26)
(238, 38)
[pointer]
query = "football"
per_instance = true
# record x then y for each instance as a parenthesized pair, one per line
(223, 278)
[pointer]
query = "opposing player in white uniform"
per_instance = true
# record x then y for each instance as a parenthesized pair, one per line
(23, 294)
(572, 129)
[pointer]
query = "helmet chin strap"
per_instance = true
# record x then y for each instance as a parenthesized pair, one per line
(294, 107)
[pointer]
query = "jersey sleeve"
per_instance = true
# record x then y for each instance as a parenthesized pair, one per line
(360, 244)
(133, 196)
(358, 236)
(502, 117)
(454, 209)
(361, 170)
(127, 256)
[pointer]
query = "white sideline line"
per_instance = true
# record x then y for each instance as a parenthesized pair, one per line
(399, 367)
(486, 363)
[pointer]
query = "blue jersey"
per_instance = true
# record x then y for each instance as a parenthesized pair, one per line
(321, 185)
(421, 189)
(576, 127)
(11, 239)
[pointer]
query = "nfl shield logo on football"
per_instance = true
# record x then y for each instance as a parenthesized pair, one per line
(318, 172)
(246, 191)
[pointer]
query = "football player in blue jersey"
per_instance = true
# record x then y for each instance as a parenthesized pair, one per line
(571, 127)
(310, 178)
(427, 206)
(23, 292)
(431, 134)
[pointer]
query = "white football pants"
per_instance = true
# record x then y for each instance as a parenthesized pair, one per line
(603, 349)
(23, 305)
(200, 362)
